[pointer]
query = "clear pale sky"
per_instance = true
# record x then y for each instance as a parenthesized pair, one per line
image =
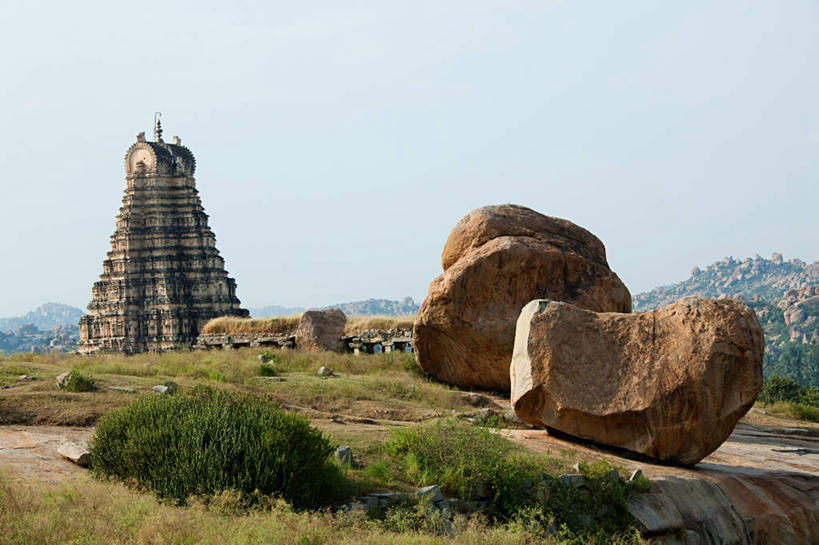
(338, 143)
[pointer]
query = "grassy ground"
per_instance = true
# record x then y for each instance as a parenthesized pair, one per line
(91, 512)
(369, 398)
(368, 395)
(382, 387)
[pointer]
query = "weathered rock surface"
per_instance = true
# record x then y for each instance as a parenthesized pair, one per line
(759, 487)
(62, 379)
(497, 259)
(670, 383)
(344, 456)
(77, 452)
(321, 330)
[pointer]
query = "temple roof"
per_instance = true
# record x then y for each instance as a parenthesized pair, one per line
(162, 159)
(176, 158)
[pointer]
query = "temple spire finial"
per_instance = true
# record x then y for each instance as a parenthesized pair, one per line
(158, 129)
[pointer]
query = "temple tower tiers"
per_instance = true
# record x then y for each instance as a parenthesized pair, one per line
(164, 278)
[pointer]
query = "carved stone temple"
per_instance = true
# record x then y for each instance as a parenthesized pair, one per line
(164, 278)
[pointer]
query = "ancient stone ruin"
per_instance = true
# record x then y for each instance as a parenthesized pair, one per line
(316, 330)
(163, 278)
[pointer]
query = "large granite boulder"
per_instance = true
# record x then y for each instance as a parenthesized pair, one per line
(670, 383)
(321, 330)
(497, 259)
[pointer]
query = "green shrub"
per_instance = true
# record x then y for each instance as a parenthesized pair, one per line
(802, 411)
(471, 463)
(810, 396)
(269, 355)
(416, 516)
(208, 441)
(776, 388)
(267, 370)
(466, 461)
(77, 382)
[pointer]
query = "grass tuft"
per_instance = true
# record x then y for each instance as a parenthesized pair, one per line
(358, 324)
(279, 326)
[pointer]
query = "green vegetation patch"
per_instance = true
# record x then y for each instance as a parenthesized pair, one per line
(208, 441)
(784, 395)
(78, 382)
(476, 464)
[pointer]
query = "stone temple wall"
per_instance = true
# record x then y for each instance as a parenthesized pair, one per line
(370, 341)
(163, 278)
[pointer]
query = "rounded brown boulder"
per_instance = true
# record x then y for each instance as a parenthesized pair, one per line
(671, 383)
(496, 260)
(321, 330)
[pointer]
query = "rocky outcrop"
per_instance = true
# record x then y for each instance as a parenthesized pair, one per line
(77, 452)
(670, 384)
(763, 509)
(321, 330)
(496, 260)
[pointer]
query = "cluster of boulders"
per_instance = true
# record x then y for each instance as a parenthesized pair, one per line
(527, 304)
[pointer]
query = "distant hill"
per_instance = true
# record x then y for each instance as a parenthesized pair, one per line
(275, 310)
(370, 307)
(52, 327)
(45, 317)
(784, 295)
(750, 278)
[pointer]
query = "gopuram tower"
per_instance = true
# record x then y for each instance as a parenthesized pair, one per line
(164, 278)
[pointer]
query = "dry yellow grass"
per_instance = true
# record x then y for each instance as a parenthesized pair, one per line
(106, 513)
(275, 325)
(357, 324)
(286, 325)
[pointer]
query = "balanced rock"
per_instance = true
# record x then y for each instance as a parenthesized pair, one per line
(321, 330)
(497, 259)
(670, 383)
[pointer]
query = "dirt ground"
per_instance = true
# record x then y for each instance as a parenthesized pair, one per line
(31, 451)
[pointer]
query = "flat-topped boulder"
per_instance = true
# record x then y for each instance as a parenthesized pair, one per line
(321, 330)
(497, 259)
(670, 384)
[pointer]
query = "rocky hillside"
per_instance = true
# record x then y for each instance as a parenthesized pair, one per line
(370, 307)
(751, 278)
(45, 317)
(784, 295)
(28, 338)
(52, 327)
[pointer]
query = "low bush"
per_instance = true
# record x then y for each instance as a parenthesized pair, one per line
(416, 516)
(466, 461)
(798, 411)
(473, 463)
(78, 382)
(267, 370)
(776, 388)
(208, 441)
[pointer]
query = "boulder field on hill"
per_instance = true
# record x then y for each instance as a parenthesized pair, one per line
(670, 384)
(496, 260)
